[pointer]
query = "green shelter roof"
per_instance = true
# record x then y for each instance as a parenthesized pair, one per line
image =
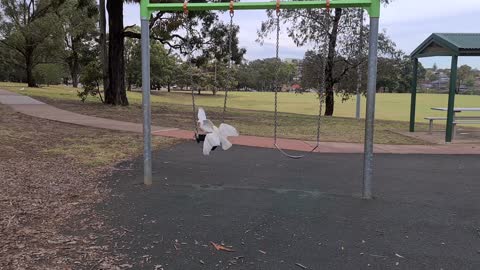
(449, 44)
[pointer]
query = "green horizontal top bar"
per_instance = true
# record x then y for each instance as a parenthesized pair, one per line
(372, 6)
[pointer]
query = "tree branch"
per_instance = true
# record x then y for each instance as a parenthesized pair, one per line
(12, 47)
(348, 67)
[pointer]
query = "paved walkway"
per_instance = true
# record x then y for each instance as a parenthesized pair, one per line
(32, 107)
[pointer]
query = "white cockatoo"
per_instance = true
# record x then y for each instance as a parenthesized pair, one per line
(215, 136)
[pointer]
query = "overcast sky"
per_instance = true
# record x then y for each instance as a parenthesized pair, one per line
(407, 22)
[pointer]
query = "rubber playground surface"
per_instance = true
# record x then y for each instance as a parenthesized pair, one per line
(276, 213)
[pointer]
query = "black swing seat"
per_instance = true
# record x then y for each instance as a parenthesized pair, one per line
(201, 138)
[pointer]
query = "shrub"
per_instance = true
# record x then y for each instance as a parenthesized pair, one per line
(90, 79)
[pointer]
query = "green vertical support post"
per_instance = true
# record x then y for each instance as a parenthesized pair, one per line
(451, 99)
(413, 101)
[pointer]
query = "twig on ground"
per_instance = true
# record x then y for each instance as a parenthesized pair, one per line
(301, 266)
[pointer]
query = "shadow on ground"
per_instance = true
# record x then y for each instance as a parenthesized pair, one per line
(289, 214)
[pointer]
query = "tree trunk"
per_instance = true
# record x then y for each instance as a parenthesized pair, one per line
(329, 81)
(115, 93)
(74, 79)
(103, 43)
(168, 87)
(75, 66)
(29, 68)
(100, 94)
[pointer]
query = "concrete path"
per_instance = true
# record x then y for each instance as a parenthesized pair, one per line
(336, 147)
(32, 107)
(39, 109)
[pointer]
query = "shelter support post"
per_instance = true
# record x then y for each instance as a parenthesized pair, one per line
(358, 101)
(413, 101)
(147, 115)
(370, 113)
(451, 99)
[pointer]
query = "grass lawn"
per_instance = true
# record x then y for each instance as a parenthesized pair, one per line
(388, 106)
(252, 112)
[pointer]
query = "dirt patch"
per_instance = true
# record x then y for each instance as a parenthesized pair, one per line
(52, 177)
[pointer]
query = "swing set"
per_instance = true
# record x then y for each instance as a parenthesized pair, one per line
(373, 8)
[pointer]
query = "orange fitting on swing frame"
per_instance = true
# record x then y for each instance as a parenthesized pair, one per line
(231, 7)
(185, 8)
(277, 7)
(328, 6)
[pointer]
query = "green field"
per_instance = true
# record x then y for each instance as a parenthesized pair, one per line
(388, 106)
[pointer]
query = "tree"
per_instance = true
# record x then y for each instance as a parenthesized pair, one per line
(30, 30)
(11, 68)
(91, 80)
(395, 73)
(162, 65)
(431, 76)
(262, 74)
(218, 44)
(311, 70)
(103, 42)
(165, 28)
(115, 93)
(132, 63)
(49, 73)
(79, 18)
(465, 76)
(182, 76)
(334, 32)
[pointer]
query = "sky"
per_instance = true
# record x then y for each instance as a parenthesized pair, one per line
(407, 22)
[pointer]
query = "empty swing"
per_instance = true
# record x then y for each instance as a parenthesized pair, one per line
(277, 86)
(212, 137)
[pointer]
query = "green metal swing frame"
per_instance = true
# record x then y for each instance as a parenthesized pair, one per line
(371, 6)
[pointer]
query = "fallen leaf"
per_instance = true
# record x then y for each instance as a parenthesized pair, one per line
(220, 247)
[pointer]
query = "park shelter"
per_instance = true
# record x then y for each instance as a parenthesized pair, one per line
(444, 44)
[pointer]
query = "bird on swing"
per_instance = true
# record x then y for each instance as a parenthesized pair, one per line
(215, 136)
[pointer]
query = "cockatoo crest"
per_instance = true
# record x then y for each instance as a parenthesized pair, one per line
(215, 136)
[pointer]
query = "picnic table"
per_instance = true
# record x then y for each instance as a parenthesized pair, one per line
(456, 119)
(455, 110)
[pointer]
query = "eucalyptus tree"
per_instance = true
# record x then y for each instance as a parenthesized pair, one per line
(334, 33)
(79, 19)
(29, 29)
(168, 29)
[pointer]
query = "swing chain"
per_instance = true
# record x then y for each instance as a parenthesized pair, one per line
(276, 86)
(190, 66)
(230, 60)
(320, 92)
